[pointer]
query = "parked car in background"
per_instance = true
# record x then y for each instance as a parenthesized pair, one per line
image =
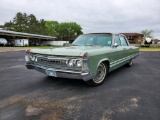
(90, 57)
(35, 44)
(9, 44)
(3, 41)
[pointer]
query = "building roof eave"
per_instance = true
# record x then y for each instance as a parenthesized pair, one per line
(27, 35)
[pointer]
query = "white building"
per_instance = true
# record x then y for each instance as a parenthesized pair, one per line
(56, 43)
(21, 42)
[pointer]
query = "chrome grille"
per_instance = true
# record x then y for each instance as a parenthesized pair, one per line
(52, 61)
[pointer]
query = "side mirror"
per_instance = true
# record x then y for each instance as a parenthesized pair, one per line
(115, 45)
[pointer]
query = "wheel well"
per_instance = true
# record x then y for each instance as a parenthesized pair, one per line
(107, 63)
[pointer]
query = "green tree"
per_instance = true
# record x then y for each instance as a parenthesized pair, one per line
(52, 27)
(69, 29)
(29, 24)
(8, 25)
(147, 33)
(26, 23)
(19, 22)
(33, 24)
(42, 29)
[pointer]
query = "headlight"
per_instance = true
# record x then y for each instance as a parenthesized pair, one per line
(34, 58)
(70, 63)
(79, 63)
(74, 62)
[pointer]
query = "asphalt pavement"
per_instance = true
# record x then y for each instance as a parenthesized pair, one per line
(127, 94)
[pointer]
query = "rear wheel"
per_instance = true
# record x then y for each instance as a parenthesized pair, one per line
(100, 75)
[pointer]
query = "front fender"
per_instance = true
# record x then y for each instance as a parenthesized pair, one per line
(95, 61)
(103, 60)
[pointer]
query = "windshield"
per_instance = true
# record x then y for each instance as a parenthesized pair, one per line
(94, 39)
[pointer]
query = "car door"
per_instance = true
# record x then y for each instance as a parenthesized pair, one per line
(118, 53)
(125, 46)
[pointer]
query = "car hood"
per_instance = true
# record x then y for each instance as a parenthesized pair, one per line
(68, 51)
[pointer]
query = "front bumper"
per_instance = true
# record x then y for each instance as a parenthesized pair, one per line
(63, 73)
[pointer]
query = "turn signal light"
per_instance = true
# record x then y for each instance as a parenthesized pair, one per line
(28, 51)
(85, 55)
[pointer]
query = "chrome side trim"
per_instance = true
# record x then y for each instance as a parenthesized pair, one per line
(112, 64)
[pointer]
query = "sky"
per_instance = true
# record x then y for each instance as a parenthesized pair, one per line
(117, 16)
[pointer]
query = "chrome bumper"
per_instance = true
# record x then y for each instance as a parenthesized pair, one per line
(63, 73)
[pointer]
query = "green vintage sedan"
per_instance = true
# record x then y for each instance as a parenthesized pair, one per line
(90, 57)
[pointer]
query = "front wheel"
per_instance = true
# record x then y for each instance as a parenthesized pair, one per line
(129, 64)
(100, 75)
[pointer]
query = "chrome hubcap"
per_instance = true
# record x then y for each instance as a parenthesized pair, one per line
(100, 75)
(130, 62)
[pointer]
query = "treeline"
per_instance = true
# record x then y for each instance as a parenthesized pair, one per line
(30, 24)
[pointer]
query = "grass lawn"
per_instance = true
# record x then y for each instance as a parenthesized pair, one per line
(149, 49)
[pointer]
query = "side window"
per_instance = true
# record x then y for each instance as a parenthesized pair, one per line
(123, 41)
(116, 39)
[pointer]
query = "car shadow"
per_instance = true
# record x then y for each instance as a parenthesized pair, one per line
(63, 82)
(53, 81)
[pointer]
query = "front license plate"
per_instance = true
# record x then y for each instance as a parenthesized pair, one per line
(51, 73)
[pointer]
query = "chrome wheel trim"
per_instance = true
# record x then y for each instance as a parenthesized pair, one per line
(101, 73)
(130, 63)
